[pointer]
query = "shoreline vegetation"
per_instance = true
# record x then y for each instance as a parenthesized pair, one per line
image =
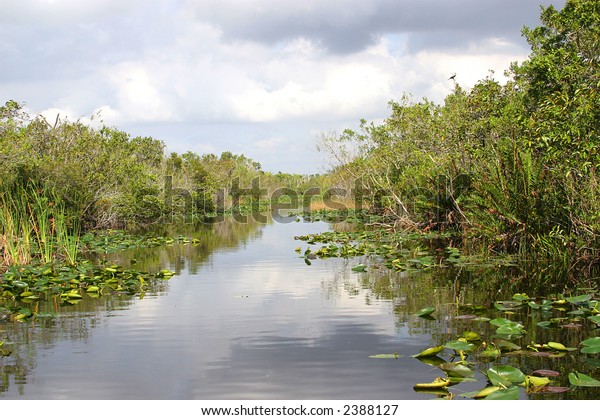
(503, 169)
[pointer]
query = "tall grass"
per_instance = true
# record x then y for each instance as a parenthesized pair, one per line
(35, 228)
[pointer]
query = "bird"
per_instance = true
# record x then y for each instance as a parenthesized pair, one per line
(452, 77)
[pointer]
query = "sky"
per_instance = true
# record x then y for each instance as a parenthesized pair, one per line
(263, 78)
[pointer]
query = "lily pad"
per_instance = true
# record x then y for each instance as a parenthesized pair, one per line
(520, 297)
(559, 346)
(360, 268)
(591, 342)
(459, 345)
(545, 372)
(536, 381)
(483, 393)
(457, 370)
(432, 351)
(510, 329)
(471, 336)
(505, 345)
(511, 393)
(580, 379)
(579, 299)
(385, 356)
(505, 375)
(436, 384)
(425, 311)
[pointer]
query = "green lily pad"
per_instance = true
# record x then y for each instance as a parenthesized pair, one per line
(595, 319)
(505, 375)
(457, 370)
(591, 342)
(580, 379)
(471, 336)
(591, 350)
(520, 297)
(505, 345)
(500, 322)
(385, 356)
(459, 345)
(579, 299)
(432, 351)
(536, 381)
(559, 346)
(360, 268)
(511, 393)
(510, 329)
(425, 311)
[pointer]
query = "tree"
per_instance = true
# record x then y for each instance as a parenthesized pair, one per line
(561, 83)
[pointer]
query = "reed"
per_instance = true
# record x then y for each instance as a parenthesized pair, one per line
(34, 227)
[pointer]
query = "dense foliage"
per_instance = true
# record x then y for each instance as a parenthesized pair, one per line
(513, 164)
(57, 180)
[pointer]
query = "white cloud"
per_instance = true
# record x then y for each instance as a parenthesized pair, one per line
(232, 72)
(269, 143)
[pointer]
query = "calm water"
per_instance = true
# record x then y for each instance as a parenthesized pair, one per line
(244, 318)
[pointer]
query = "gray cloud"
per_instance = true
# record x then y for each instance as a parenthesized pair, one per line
(346, 26)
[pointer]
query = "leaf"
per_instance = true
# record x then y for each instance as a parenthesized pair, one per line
(19, 283)
(425, 311)
(486, 391)
(385, 356)
(536, 381)
(591, 342)
(499, 322)
(511, 393)
(591, 350)
(505, 375)
(510, 330)
(560, 347)
(457, 370)
(580, 379)
(579, 299)
(520, 297)
(471, 336)
(459, 345)
(437, 383)
(595, 319)
(555, 389)
(432, 351)
(360, 268)
(545, 372)
(506, 345)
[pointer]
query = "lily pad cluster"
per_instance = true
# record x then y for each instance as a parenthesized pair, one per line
(396, 251)
(113, 241)
(372, 244)
(21, 286)
(495, 345)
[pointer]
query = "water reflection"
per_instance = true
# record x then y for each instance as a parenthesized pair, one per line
(246, 318)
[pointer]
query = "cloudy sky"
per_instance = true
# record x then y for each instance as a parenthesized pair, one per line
(261, 77)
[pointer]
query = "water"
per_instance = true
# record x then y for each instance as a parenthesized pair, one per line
(244, 318)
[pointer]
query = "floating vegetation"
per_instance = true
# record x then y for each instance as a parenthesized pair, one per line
(21, 286)
(112, 241)
(399, 251)
(500, 350)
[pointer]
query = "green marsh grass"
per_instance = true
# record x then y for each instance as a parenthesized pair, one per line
(35, 228)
